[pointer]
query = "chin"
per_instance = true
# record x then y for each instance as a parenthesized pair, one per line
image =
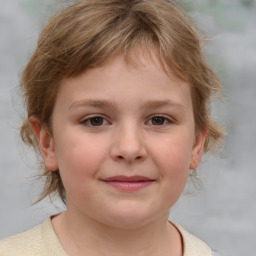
(129, 218)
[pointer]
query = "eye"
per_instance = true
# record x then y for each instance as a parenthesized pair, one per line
(95, 121)
(159, 121)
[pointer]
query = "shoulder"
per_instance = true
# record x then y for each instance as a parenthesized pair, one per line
(193, 246)
(23, 243)
(38, 241)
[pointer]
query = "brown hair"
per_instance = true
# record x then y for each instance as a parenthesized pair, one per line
(88, 33)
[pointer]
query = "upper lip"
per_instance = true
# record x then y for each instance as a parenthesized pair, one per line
(128, 178)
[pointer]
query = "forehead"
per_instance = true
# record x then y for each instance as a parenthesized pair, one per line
(141, 77)
(138, 59)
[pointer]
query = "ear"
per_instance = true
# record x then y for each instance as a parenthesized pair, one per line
(197, 150)
(45, 142)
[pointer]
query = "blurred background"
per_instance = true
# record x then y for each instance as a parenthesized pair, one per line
(224, 212)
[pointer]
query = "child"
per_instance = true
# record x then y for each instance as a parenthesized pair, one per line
(117, 96)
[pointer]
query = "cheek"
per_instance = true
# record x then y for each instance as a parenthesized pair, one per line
(79, 158)
(175, 153)
(172, 158)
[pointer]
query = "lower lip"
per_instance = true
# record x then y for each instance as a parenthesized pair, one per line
(129, 186)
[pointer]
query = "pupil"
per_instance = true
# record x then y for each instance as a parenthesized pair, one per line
(96, 121)
(158, 120)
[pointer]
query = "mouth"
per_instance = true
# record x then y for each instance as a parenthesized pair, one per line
(128, 183)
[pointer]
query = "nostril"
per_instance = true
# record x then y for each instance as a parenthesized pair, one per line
(136, 158)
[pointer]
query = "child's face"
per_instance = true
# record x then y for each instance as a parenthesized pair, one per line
(123, 140)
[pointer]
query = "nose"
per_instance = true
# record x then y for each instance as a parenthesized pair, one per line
(128, 144)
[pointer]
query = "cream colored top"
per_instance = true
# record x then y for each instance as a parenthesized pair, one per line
(42, 241)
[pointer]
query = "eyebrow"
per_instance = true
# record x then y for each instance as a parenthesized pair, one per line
(93, 103)
(160, 103)
(102, 103)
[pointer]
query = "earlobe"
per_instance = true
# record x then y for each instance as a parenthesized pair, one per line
(198, 149)
(45, 142)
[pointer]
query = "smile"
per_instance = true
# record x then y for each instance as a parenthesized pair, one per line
(125, 183)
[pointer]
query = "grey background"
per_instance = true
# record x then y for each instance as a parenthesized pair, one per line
(224, 213)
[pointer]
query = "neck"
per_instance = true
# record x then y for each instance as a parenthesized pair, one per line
(83, 235)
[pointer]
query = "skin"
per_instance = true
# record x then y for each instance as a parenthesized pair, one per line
(119, 119)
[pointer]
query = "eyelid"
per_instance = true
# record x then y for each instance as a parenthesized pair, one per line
(167, 118)
(85, 120)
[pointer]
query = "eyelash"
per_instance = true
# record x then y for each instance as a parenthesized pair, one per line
(165, 120)
(103, 121)
(88, 121)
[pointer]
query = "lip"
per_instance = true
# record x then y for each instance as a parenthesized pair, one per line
(128, 183)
